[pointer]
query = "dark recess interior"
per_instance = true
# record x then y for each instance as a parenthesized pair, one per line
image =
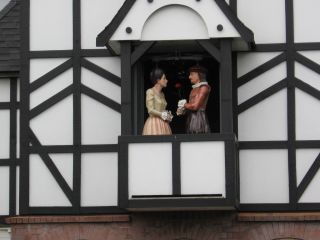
(176, 69)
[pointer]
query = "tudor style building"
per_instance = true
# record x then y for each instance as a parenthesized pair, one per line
(72, 110)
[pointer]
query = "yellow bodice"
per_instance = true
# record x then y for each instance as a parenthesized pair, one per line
(155, 103)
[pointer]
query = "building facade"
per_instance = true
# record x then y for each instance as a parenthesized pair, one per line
(73, 76)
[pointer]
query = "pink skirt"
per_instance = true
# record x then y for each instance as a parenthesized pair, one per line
(156, 126)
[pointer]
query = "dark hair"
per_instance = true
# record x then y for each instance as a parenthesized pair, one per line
(155, 75)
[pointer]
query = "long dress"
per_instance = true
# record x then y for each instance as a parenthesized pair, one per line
(155, 104)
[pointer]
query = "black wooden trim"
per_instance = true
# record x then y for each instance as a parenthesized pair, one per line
(307, 46)
(123, 173)
(263, 145)
(77, 130)
(51, 101)
(234, 6)
(101, 210)
(52, 168)
(6, 75)
(71, 148)
(226, 102)
(262, 96)
(178, 196)
(24, 112)
(265, 207)
(96, 53)
(308, 177)
(261, 69)
(270, 47)
(9, 162)
(230, 171)
(52, 149)
(176, 166)
(101, 72)
(126, 88)
(99, 148)
(308, 144)
(307, 62)
(235, 91)
(211, 49)
(140, 50)
(51, 54)
(245, 32)
(307, 88)
(107, 33)
(72, 211)
(5, 105)
(308, 207)
(7, 8)
(50, 75)
(101, 98)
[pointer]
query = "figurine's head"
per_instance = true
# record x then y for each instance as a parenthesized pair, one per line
(197, 74)
(157, 76)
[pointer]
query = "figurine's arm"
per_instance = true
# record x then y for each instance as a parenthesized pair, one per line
(199, 99)
(150, 104)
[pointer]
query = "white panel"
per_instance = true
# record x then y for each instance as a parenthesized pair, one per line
(312, 193)
(170, 23)
(203, 168)
(266, 120)
(249, 61)
(4, 90)
(307, 118)
(4, 133)
(313, 55)
(111, 64)
(306, 20)
(305, 158)
(99, 179)
(264, 176)
(44, 190)
(266, 18)
(307, 75)
(262, 82)
(17, 190)
(3, 3)
(101, 85)
(4, 186)
(100, 124)
(95, 16)
(150, 169)
(51, 24)
(5, 233)
(55, 125)
(208, 10)
(51, 88)
(39, 67)
(18, 134)
(64, 163)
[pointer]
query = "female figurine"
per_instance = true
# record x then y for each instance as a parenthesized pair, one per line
(159, 118)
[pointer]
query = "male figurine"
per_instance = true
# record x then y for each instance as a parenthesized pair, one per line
(197, 121)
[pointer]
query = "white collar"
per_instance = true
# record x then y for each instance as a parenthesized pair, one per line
(199, 84)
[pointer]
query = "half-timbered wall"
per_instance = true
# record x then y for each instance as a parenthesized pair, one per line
(278, 106)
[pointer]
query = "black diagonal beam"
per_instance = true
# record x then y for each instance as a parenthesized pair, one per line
(101, 72)
(50, 75)
(307, 62)
(140, 50)
(307, 88)
(52, 167)
(210, 48)
(308, 177)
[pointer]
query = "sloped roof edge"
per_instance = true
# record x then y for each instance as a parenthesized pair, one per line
(7, 8)
(104, 36)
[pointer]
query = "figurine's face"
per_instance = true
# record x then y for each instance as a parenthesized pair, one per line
(194, 77)
(163, 81)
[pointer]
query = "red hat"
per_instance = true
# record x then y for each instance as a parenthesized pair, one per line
(197, 68)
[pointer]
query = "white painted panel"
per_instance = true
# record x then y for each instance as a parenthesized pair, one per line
(44, 189)
(51, 24)
(312, 193)
(101, 85)
(208, 10)
(264, 176)
(17, 190)
(18, 90)
(266, 120)
(313, 55)
(95, 16)
(55, 125)
(304, 160)
(64, 163)
(249, 61)
(306, 20)
(307, 116)
(4, 133)
(18, 134)
(150, 169)
(39, 67)
(4, 90)
(99, 179)
(100, 124)
(262, 82)
(51, 88)
(170, 23)
(307, 75)
(4, 186)
(266, 18)
(111, 64)
(5, 233)
(203, 168)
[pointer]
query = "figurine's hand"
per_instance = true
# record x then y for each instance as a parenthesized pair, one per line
(181, 103)
(180, 111)
(164, 115)
(170, 116)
